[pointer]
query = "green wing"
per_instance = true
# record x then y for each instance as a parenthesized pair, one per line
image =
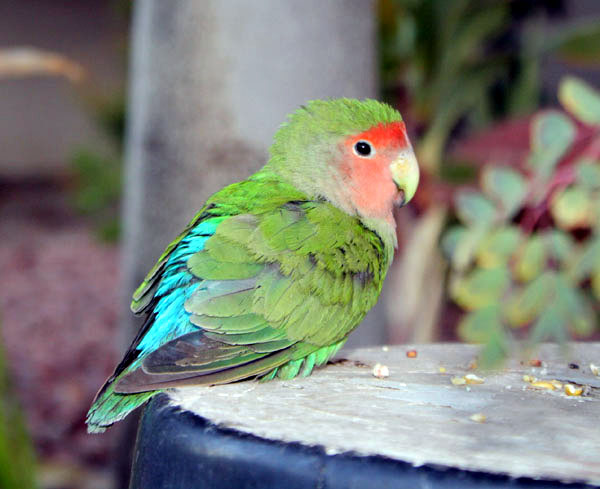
(281, 288)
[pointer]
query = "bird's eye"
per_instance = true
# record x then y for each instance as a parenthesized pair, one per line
(364, 149)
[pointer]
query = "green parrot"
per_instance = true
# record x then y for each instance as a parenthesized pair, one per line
(274, 272)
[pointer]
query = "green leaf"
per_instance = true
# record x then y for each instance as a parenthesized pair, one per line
(552, 133)
(596, 282)
(451, 239)
(577, 310)
(485, 326)
(17, 457)
(480, 288)
(473, 208)
(506, 186)
(465, 246)
(550, 326)
(580, 99)
(572, 208)
(584, 261)
(559, 244)
(98, 181)
(523, 99)
(587, 172)
(581, 45)
(497, 247)
(526, 304)
(494, 350)
(477, 326)
(531, 259)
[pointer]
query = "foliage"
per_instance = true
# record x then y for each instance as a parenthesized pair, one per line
(452, 66)
(465, 62)
(526, 254)
(98, 190)
(17, 461)
(98, 175)
(98, 172)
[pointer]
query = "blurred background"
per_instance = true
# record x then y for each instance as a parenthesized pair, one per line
(501, 244)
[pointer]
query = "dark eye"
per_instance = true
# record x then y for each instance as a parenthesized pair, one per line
(363, 148)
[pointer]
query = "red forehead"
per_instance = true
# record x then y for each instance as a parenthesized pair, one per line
(387, 135)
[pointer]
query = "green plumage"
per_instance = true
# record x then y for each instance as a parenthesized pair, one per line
(270, 274)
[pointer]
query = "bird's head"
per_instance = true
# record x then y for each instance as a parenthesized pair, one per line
(355, 154)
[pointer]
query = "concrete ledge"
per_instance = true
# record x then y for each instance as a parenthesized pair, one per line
(397, 428)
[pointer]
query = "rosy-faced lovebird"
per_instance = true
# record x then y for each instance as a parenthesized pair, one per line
(273, 273)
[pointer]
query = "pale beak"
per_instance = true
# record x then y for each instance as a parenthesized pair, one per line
(405, 173)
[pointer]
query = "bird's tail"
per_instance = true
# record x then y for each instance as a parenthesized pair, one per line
(110, 407)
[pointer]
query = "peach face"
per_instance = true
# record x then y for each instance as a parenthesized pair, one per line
(380, 168)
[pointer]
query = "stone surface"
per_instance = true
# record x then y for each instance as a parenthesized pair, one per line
(419, 416)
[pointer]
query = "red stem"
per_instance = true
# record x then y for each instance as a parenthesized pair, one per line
(562, 178)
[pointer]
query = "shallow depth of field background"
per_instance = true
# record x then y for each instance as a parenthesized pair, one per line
(471, 80)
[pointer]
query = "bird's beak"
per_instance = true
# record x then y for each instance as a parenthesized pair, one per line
(405, 173)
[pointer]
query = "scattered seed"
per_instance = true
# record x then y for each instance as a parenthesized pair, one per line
(543, 384)
(474, 379)
(411, 353)
(573, 390)
(478, 417)
(381, 371)
(556, 384)
(458, 380)
(467, 379)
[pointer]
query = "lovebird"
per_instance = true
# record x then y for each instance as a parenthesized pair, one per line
(273, 273)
